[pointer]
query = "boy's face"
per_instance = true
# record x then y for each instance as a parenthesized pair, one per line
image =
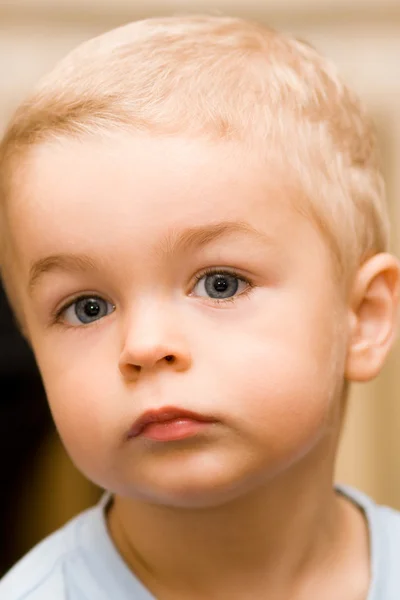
(209, 292)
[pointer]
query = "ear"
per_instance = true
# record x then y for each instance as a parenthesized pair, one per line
(373, 316)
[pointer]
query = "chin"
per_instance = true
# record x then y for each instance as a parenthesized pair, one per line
(203, 491)
(193, 498)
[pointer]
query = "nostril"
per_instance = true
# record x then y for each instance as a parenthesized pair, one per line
(169, 358)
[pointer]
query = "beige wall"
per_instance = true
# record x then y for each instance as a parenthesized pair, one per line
(363, 37)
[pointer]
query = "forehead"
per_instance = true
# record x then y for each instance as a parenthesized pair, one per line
(131, 189)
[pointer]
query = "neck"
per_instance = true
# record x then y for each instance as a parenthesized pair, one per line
(276, 533)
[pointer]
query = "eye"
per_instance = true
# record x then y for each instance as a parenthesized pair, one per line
(85, 310)
(220, 285)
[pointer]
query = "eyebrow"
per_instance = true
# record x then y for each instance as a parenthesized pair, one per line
(173, 243)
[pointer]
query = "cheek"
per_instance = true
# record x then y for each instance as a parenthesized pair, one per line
(84, 406)
(282, 373)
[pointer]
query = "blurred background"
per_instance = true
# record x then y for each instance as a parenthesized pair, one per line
(40, 487)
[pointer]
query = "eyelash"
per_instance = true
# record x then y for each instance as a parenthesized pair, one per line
(56, 317)
(233, 273)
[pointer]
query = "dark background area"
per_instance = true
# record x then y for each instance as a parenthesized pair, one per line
(24, 422)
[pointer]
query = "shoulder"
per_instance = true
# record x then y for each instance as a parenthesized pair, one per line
(384, 533)
(40, 575)
(389, 521)
(385, 551)
(77, 562)
(383, 521)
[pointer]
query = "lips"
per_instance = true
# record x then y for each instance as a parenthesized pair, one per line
(179, 422)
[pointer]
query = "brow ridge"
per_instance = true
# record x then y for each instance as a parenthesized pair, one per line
(173, 243)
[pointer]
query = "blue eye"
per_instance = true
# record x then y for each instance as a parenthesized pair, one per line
(220, 285)
(86, 310)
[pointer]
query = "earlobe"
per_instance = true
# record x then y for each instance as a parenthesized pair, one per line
(373, 316)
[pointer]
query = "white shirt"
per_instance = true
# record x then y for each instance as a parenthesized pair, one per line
(80, 561)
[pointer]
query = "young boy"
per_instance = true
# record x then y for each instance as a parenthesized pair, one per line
(194, 241)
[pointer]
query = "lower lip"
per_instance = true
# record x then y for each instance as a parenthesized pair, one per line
(177, 429)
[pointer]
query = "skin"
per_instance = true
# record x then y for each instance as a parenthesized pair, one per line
(202, 518)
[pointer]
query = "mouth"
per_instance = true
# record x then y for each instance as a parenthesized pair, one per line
(169, 424)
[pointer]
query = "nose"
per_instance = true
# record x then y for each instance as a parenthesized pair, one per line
(153, 340)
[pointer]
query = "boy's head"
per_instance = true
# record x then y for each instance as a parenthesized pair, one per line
(223, 79)
(193, 215)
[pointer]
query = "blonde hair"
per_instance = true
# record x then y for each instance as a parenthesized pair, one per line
(225, 79)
